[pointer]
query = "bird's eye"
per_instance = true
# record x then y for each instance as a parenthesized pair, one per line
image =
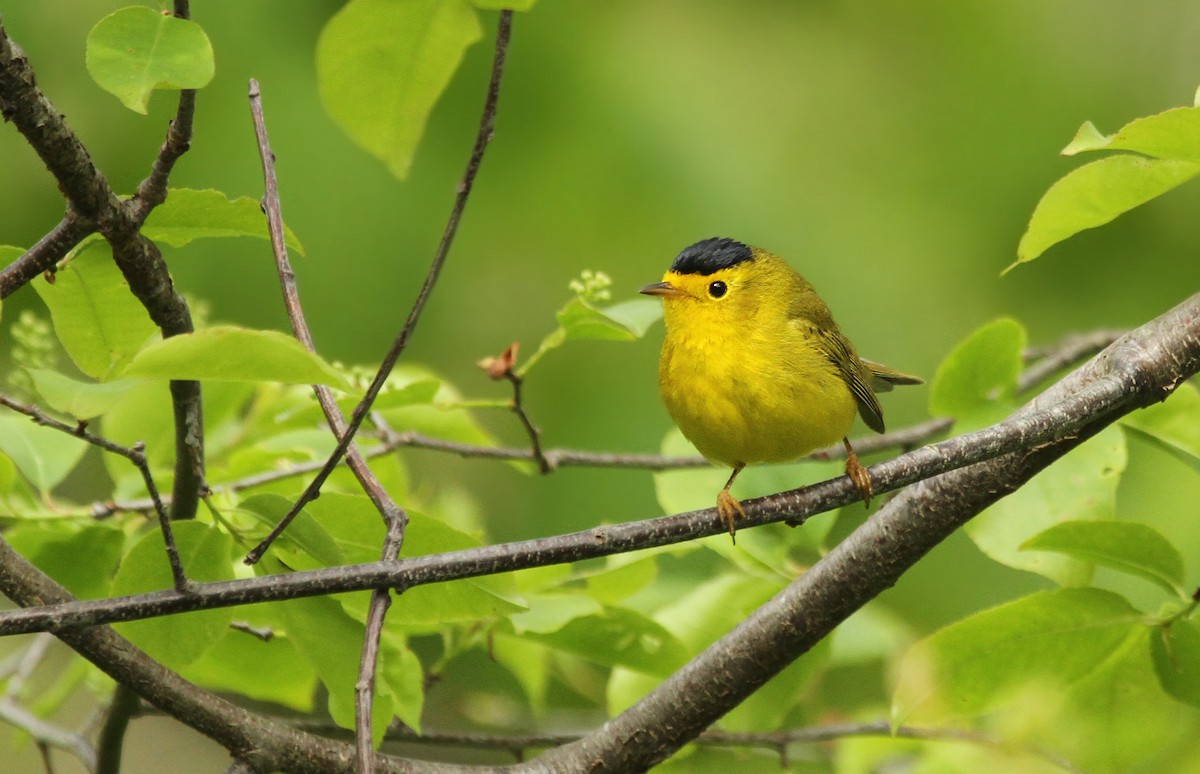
(717, 289)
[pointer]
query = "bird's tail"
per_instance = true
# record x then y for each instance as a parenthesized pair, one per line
(884, 378)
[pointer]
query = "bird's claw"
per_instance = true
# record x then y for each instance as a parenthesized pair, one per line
(729, 509)
(861, 478)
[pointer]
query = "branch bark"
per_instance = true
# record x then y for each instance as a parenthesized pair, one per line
(1140, 369)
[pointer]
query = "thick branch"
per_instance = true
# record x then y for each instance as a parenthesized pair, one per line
(264, 744)
(1139, 370)
(1171, 354)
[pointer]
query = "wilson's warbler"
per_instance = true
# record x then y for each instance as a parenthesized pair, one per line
(754, 369)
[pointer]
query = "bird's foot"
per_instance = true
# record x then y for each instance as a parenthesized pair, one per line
(859, 475)
(729, 509)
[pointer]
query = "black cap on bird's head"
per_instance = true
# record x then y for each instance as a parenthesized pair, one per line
(710, 255)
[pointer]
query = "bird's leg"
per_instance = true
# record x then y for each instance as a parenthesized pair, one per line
(729, 508)
(858, 474)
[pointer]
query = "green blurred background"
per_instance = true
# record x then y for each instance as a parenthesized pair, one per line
(892, 152)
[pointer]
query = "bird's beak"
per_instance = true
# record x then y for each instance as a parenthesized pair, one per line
(665, 289)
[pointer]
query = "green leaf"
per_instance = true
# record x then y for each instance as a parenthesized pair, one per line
(228, 353)
(143, 414)
(420, 392)
(1175, 650)
(1122, 545)
(1172, 134)
(331, 642)
(618, 637)
(1095, 194)
(622, 576)
(1051, 640)
(551, 612)
(98, 320)
(402, 679)
(82, 400)
(1117, 718)
(305, 534)
(270, 670)
(624, 321)
(528, 663)
(1080, 486)
(979, 373)
(189, 214)
(44, 455)
(136, 50)
(82, 557)
(1088, 138)
(1174, 424)
(205, 552)
(398, 58)
(358, 531)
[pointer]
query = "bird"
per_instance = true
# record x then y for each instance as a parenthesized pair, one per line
(753, 367)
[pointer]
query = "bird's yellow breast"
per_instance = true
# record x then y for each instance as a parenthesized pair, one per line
(749, 385)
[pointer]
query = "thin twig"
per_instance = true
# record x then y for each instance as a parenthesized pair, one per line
(112, 734)
(1175, 356)
(46, 733)
(484, 136)
(264, 633)
(395, 517)
(135, 455)
(904, 439)
(1142, 368)
(535, 435)
(1047, 361)
(778, 741)
(364, 688)
(43, 256)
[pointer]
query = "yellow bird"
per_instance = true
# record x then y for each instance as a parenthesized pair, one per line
(753, 367)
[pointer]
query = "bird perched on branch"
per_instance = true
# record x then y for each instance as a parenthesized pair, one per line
(753, 367)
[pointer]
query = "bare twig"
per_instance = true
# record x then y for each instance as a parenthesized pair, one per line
(535, 435)
(112, 733)
(1047, 361)
(94, 206)
(395, 518)
(1140, 369)
(263, 633)
(778, 741)
(46, 733)
(482, 139)
(905, 438)
(43, 256)
(1172, 354)
(364, 688)
(135, 455)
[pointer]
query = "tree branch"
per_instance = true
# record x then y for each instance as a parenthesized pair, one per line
(43, 256)
(112, 734)
(135, 455)
(777, 741)
(1172, 354)
(482, 138)
(395, 518)
(94, 206)
(1140, 369)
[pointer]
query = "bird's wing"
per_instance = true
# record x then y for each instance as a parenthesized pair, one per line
(854, 373)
